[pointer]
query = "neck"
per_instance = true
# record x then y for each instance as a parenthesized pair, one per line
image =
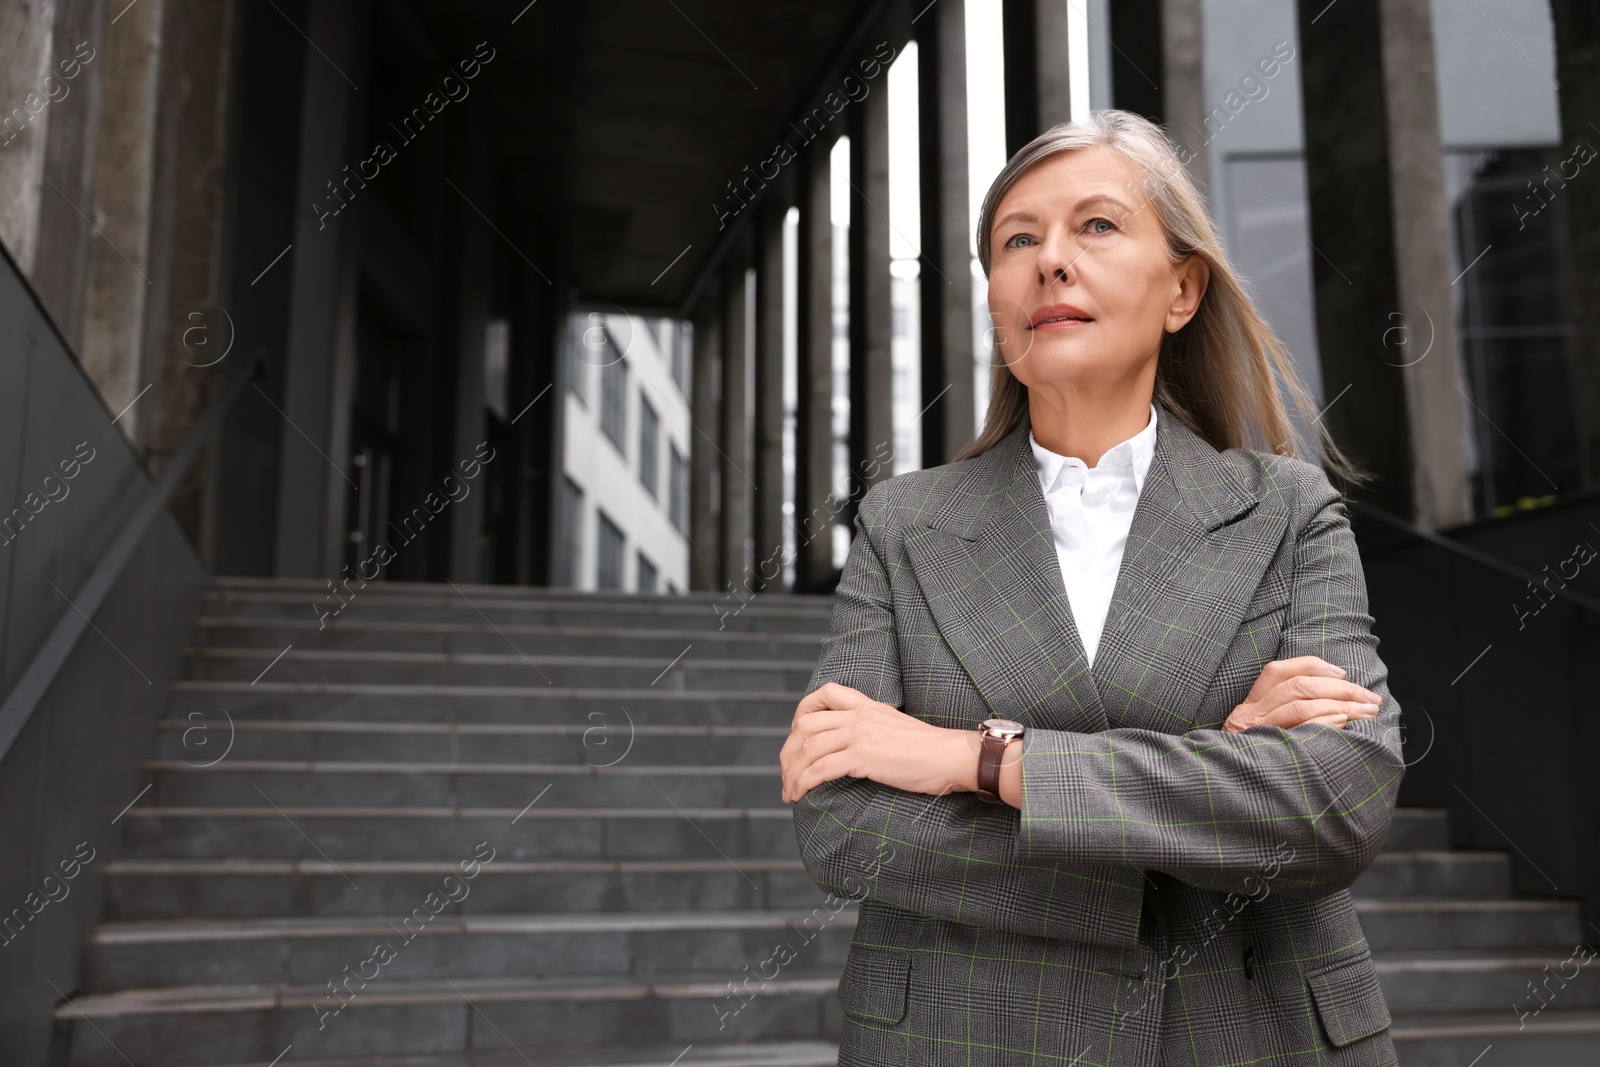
(1084, 426)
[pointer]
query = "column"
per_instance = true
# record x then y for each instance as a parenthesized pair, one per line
(1137, 63)
(768, 410)
(1577, 35)
(815, 507)
(871, 311)
(946, 270)
(704, 462)
(323, 255)
(1038, 92)
(735, 419)
(1382, 266)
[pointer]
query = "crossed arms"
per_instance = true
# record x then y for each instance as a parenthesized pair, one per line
(1210, 807)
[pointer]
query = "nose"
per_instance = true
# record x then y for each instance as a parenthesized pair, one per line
(1057, 256)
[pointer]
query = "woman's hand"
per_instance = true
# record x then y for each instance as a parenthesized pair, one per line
(841, 732)
(1305, 689)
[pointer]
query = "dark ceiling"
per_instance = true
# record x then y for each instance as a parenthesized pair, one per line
(620, 122)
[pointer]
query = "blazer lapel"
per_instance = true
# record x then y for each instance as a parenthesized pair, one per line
(986, 562)
(1196, 550)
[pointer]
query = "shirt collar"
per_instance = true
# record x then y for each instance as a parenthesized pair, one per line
(1133, 455)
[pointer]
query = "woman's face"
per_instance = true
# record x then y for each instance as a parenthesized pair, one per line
(1081, 286)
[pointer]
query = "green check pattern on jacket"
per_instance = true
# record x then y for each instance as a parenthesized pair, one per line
(1170, 893)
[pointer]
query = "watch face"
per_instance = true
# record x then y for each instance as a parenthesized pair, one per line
(1003, 727)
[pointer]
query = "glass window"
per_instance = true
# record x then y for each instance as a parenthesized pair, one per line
(647, 575)
(608, 556)
(649, 431)
(677, 489)
(571, 533)
(614, 399)
(496, 358)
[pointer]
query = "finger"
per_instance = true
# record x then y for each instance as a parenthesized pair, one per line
(834, 765)
(1295, 712)
(829, 695)
(1307, 686)
(1296, 665)
(810, 750)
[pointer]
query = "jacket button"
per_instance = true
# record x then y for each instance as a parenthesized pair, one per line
(1249, 961)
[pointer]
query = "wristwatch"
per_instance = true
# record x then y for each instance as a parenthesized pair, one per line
(996, 735)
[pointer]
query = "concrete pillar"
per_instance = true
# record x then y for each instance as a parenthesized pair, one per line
(815, 505)
(705, 533)
(201, 121)
(122, 276)
(72, 122)
(871, 310)
(946, 280)
(312, 464)
(735, 422)
(474, 281)
(28, 30)
(1183, 84)
(1037, 85)
(1577, 35)
(537, 405)
(1137, 61)
(1382, 268)
(767, 470)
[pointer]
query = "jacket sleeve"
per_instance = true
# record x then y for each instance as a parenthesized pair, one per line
(1305, 808)
(952, 857)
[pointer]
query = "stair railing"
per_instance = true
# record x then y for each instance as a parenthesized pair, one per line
(41, 671)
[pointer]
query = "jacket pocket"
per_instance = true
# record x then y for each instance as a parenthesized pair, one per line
(876, 983)
(1348, 998)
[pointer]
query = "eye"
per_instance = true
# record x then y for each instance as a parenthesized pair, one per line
(1107, 221)
(1017, 237)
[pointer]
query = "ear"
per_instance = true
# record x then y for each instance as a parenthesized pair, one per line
(1189, 281)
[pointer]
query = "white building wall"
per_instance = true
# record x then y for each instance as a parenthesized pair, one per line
(609, 477)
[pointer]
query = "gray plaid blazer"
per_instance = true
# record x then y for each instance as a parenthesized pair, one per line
(1169, 893)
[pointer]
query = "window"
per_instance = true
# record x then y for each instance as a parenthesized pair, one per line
(571, 533)
(608, 555)
(676, 489)
(614, 398)
(682, 333)
(647, 575)
(584, 333)
(649, 430)
(496, 358)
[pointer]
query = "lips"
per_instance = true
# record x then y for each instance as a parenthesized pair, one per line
(1055, 316)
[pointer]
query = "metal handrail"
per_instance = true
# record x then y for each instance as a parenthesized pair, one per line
(41, 672)
(1482, 559)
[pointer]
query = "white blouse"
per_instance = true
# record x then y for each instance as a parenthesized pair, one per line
(1091, 509)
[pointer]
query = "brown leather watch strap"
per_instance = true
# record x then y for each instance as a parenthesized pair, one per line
(990, 750)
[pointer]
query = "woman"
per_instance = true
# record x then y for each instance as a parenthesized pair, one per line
(1100, 737)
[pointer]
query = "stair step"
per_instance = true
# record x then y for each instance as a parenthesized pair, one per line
(375, 701)
(1436, 874)
(580, 610)
(682, 670)
(1419, 829)
(420, 944)
(1554, 1038)
(1489, 980)
(1445, 922)
(234, 782)
(747, 1054)
(540, 831)
(600, 739)
(250, 887)
(184, 1025)
(354, 633)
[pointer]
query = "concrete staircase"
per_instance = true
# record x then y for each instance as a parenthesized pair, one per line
(485, 826)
